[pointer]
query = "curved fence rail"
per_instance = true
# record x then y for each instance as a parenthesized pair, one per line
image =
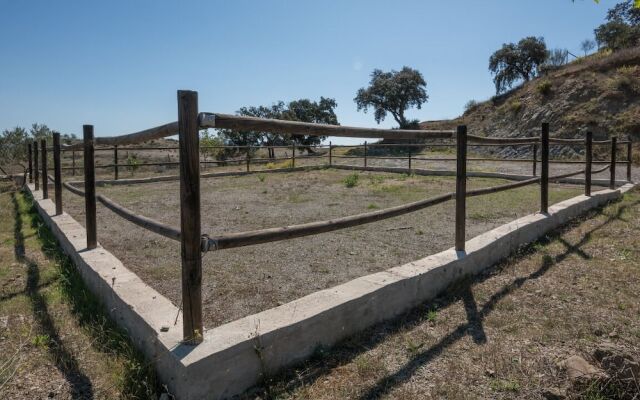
(194, 243)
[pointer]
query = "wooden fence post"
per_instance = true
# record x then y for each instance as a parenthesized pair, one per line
(30, 158)
(612, 179)
(293, 156)
(589, 163)
(73, 162)
(629, 158)
(45, 177)
(248, 160)
(365, 154)
(330, 153)
(36, 166)
(544, 173)
(115, 161)
(535, 159)
(461, 186)
(409, 160)
(57, 172)
(89, 187)
(190, 236)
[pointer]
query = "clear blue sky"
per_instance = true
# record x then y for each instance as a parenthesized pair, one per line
(117, 64)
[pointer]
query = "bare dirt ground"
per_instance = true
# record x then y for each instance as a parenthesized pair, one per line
(502, 334)
(242, 281)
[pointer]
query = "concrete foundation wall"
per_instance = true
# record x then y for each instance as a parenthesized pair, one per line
(234, 356)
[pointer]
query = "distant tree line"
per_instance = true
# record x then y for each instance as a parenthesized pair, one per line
(13, 142)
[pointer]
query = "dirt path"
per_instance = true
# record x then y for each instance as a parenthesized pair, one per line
(55, 340)
(501, 335)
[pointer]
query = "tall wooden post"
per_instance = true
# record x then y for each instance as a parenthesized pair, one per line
(190, 236)
(612, 178)
(589, 163)
(544, 176)
(365, 154)
(535, 159)
(30, 159)
(36, 165)
(629, 158)
(115, 162)
(409, 160)
(330, 154)
(73, 162)
(57, 172)
(45, 177)
(89, 187)
(293, 155)
(248, 160)
(461, 186)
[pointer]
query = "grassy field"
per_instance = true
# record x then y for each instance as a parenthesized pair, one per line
(56, 341)
(502, 334)
(242, 281)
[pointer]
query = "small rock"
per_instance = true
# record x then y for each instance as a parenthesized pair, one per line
(553, 394)
(491, 373)
(579, 369)
(617, 364)
(613, 334)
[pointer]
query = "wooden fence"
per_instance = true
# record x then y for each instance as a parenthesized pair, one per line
(194, 243)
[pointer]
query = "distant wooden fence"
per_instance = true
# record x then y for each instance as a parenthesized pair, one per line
(194, 242)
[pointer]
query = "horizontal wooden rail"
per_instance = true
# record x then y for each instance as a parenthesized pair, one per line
(232, 240)
(211, 120)
(504, 141)
(146, 135)
(500, 188)
(140, 220)
(73, 189)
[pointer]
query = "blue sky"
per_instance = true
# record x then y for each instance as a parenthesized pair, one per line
(117, 64)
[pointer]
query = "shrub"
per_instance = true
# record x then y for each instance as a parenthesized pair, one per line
(544, 88)
(471, 104)
(515, 106)
(133, 162)
(279, 165)
(351, 180)
(261, 177)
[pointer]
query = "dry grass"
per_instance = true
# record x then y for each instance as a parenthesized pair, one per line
(500, 335)
(55, 339)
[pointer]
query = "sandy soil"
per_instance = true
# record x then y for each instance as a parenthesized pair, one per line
(242, 281)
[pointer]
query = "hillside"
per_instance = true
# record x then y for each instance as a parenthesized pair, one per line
(600, 93)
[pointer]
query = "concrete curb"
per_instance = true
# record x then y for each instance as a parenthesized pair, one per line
(235, 356)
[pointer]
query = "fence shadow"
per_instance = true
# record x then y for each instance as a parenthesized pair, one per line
(65, 361)
(461, 291)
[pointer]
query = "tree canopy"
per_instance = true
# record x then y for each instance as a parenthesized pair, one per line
(13, 142)
(515, 62)
(303, 110)
(393, 92)
(622, 28)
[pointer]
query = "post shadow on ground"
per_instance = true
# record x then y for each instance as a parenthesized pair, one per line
(351, 348)
(65, 362)
(138, 378)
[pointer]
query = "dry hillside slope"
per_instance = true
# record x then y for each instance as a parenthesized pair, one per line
(600, 93)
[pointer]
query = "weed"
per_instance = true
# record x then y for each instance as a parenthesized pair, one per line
(504, 385)
(412, 347)
(376, 179)
(261, 177)
(515, 106)
(372, 206)
(41, 340)
(432, 316)
(351, 180)
(279, 165)
(544, 88)
(133, 162)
